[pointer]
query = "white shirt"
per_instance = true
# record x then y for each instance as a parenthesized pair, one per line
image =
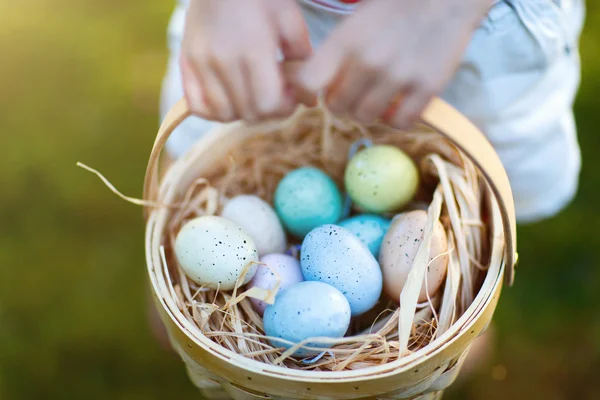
(517, 82)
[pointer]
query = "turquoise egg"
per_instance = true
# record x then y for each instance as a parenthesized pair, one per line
(307, 310)
(333, 255)
(369, 228)
(306, 198)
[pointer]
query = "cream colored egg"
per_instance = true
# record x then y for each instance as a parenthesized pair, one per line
(399, 249)
(259, 220)
(214, 251)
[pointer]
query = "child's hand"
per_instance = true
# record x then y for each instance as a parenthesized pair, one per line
(396, 53)
(229, 57)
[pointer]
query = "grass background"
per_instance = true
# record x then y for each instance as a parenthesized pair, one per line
(79, 80)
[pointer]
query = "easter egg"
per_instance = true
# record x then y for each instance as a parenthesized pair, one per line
(369, 228)
(399, 249)
(307, 310)
(259, 220)
(381, 179)
(214, 251)
(306, 198)
(279, 268)
(333, 255)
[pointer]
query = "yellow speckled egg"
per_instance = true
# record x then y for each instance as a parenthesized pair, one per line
(399, 249)
(381, 179)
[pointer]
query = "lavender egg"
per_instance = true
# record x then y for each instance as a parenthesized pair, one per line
(279, 267)
(334, 255)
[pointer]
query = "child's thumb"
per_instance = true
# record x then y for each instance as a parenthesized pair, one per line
(290, 73)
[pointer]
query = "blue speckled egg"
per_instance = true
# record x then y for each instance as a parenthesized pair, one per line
(306, 198)
(307, 310)
(369, 228)
(333, 255)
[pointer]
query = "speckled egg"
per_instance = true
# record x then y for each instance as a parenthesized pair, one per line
(399, 249)
(213, 252)
(259, 220)
(369, 228)
(279, 268)
(381, 179)
(307, 310)
(333, 255)
(306, 198)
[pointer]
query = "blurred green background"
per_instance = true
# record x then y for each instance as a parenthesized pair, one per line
(79, 81)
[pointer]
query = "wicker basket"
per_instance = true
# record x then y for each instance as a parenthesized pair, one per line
(424, 374)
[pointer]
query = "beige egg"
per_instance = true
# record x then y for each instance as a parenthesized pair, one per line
(259, 220)
(398, 251)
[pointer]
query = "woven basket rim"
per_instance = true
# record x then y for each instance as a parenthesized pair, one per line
(167, 193)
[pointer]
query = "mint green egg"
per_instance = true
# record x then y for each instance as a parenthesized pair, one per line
(381, 179)
(306, 198)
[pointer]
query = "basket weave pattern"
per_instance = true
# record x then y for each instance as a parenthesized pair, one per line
(220, 372)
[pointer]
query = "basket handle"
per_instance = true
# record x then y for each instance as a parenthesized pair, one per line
(438, 115)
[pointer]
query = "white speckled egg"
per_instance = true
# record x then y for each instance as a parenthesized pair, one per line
(399, 249)
(307, 310)
(259, 220)
(333, 255)
(213, 251)
(279, 267)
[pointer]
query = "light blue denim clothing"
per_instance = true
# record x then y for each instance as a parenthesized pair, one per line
(517, 82)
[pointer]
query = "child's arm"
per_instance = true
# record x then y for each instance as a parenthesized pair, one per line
(229, 56)
(390, 49)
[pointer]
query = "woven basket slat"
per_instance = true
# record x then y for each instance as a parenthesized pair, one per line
(423, 375)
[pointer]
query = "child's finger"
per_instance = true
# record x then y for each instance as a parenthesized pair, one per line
(293, 32)
(233, 75)
(382, 97)
(288, 105)
(194, 91)
(392, 108)
(215, 94)
(350, 84)
(266, 85)
(290, 70)
(410, 110)
(322, 68)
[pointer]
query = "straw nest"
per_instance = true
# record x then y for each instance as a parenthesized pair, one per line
(452, 191)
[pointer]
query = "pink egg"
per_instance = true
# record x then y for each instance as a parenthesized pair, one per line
(286, 267)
